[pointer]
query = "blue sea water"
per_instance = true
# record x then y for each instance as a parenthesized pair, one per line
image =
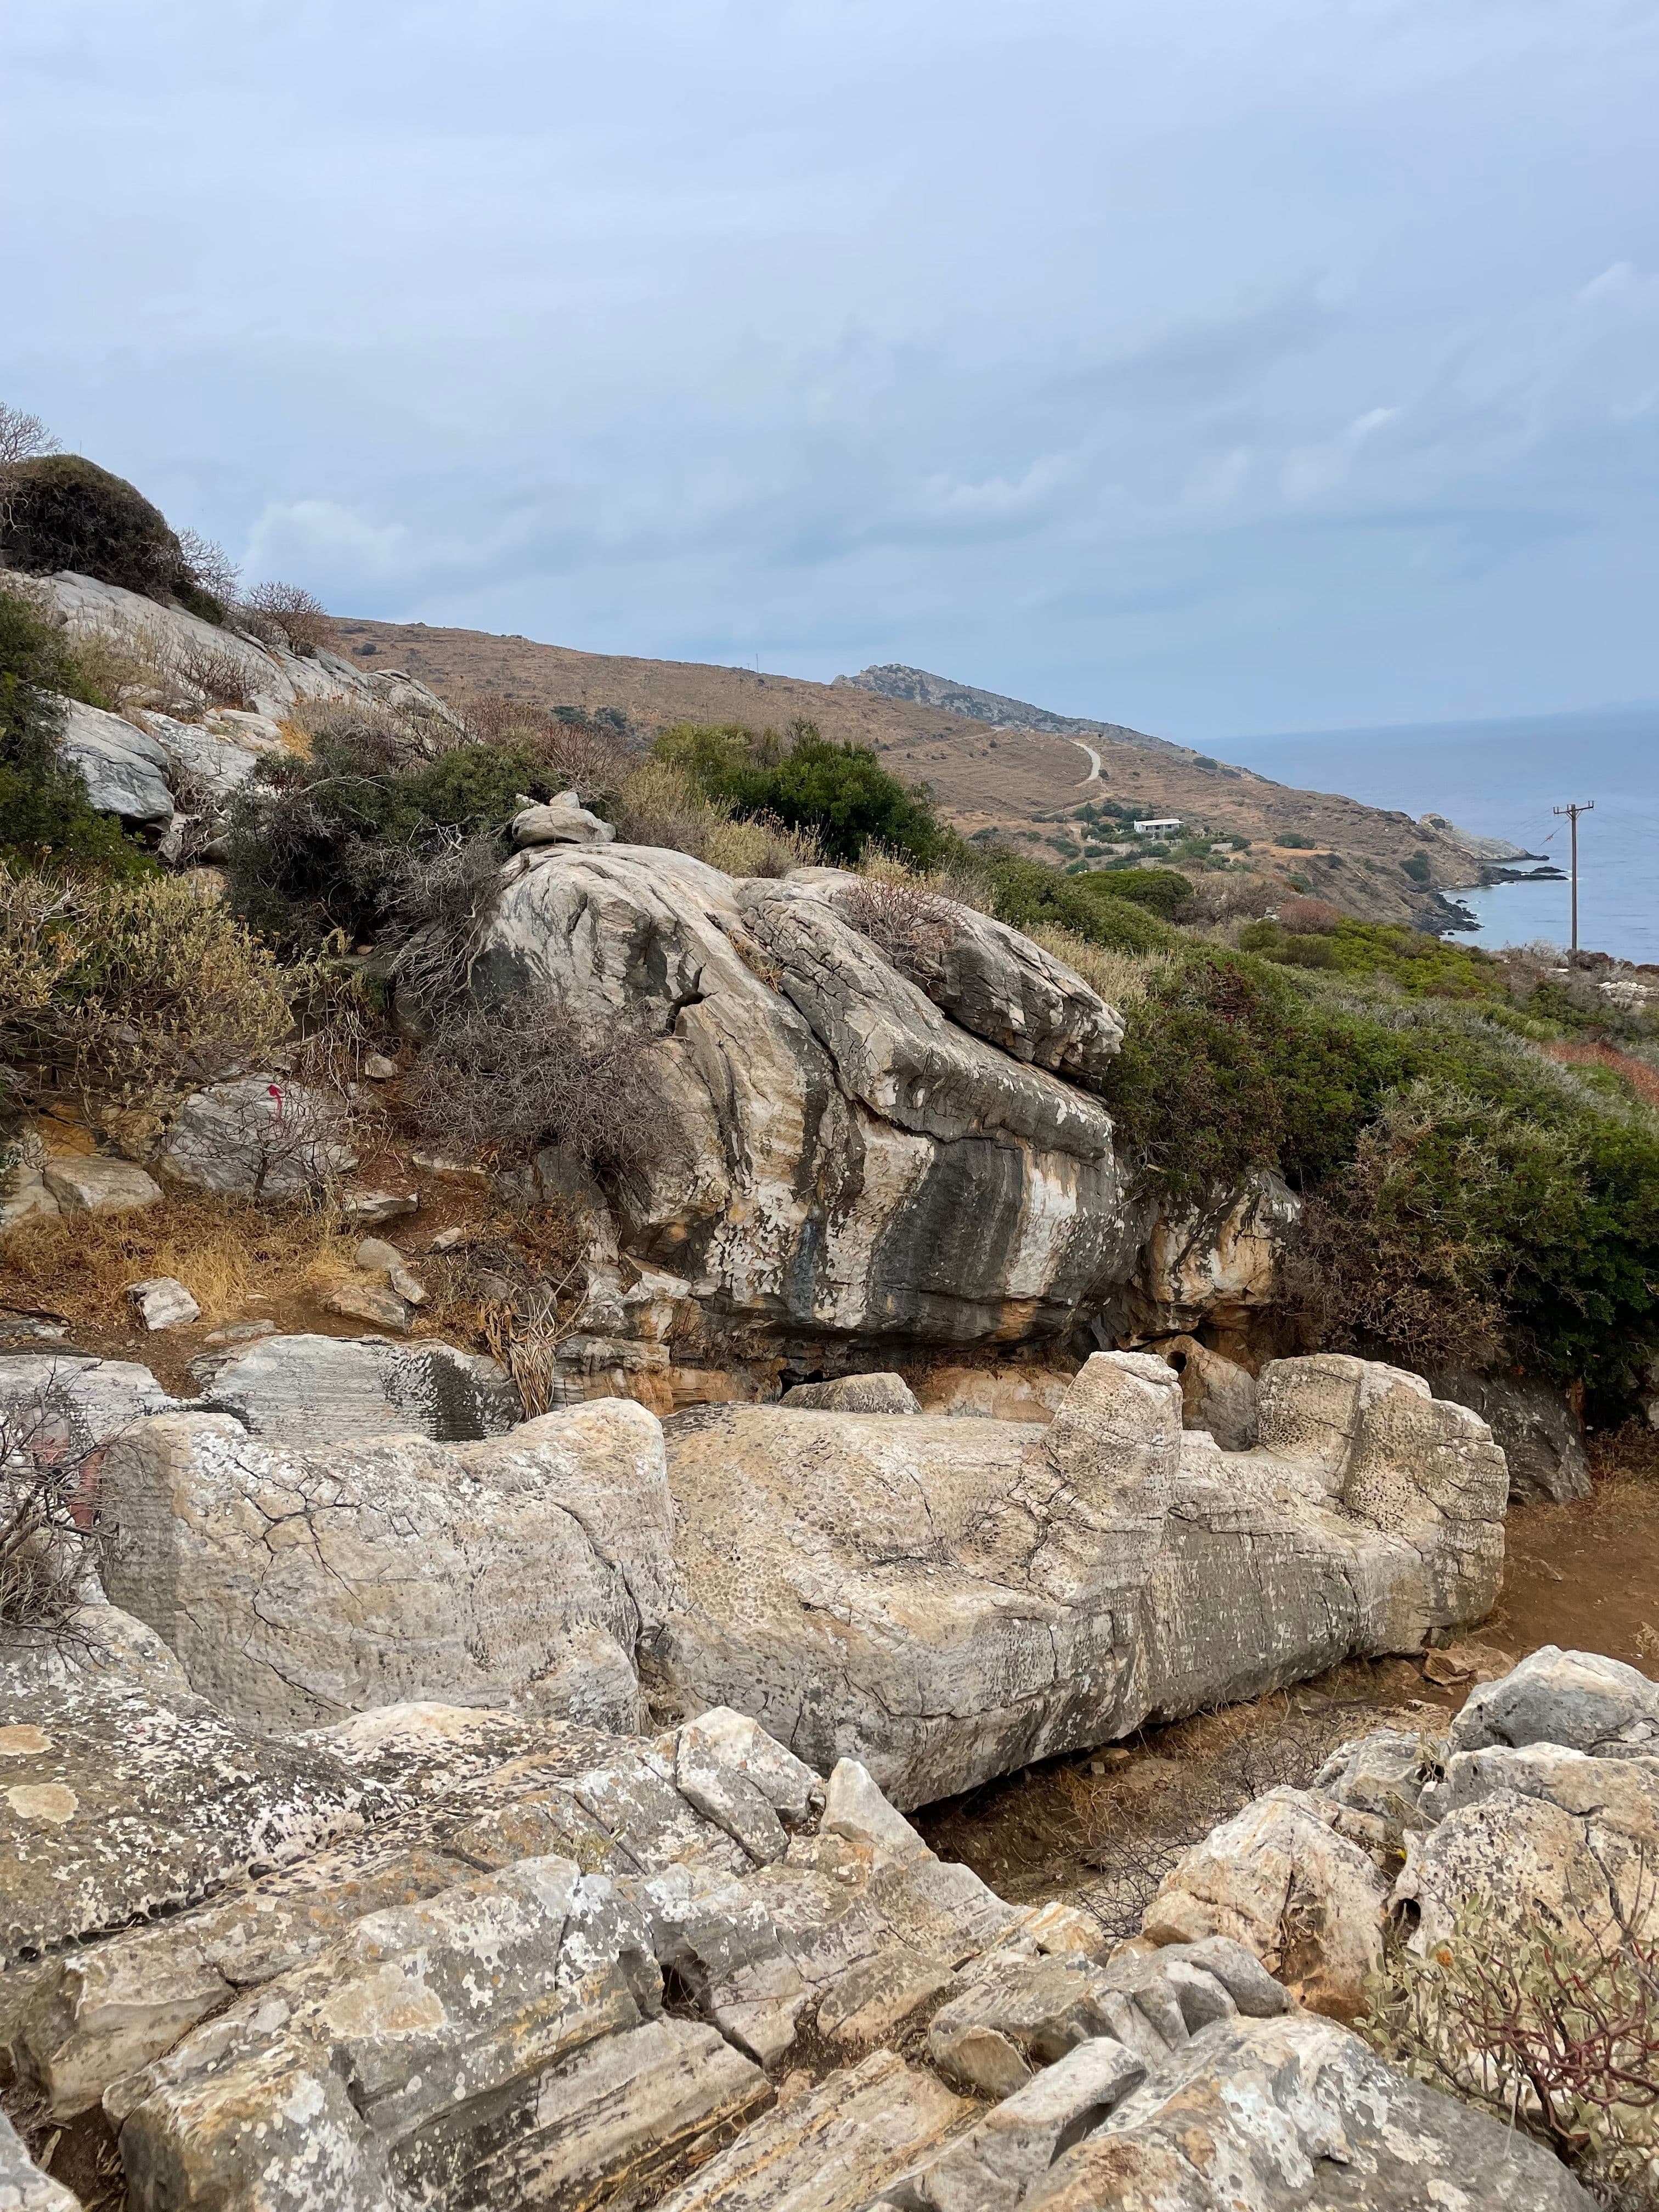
(1501, 779)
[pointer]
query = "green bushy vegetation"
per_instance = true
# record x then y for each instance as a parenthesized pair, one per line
(65, 512)
(1164, 891)
(1418, 964)
(1464, 1188)
(44, 814)
(839, 794)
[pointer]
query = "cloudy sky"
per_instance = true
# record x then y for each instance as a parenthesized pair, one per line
(1215, 366)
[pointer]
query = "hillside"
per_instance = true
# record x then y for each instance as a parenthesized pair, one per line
(893, 680)
(1037, 789)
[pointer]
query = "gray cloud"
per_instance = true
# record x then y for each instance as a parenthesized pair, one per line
(1212, 368)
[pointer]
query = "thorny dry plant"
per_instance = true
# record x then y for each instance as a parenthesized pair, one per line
(909, 924)
(1553, 2031)
(49, 1529)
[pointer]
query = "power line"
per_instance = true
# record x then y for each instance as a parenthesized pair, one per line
(1572, 813)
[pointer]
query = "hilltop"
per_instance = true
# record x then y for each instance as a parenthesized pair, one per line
(1037, 787)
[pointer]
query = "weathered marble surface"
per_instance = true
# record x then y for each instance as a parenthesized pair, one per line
(948, 1600)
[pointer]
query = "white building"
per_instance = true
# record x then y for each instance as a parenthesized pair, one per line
(1160, 828)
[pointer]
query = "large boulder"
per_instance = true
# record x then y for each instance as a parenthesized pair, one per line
(259, 1135)
(124, 769)
(1297, 2115)
(300, 1587)
(308, 1390)
(122, 1794)
(1217, 1263)
(1542, 1438)
(839, 1156)
(1579, 1698)
(947, 1600)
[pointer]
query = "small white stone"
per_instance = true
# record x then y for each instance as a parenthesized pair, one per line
(100, 1186)
(362, 1301)
(378, 1068)
(379, 1205)
(162, 1302)
(376, 1252)
(408, 1287)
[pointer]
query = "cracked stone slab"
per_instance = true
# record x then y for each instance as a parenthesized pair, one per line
(122, 1794)
(298, 1588)
(312, 1390)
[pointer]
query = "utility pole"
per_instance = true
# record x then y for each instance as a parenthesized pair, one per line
(1572, 813)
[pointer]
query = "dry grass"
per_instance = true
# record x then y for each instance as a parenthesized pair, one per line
(225, 1251)
(1123, 979)
(1643, 1079)
(659, 803)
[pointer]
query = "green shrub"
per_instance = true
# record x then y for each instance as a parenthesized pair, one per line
(838, 793)
(1293, 841)
(1417, 868)
(1029, 895)
(67, 513)
(324, 845)
(1511, 1186)
(45, 816)
(1163, 889)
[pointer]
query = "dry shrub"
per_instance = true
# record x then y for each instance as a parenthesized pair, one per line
(1556, 2037)
(517, 1287)
(211, 568)
(1230, 896)
(1378, 1265)
(908, 924)
(526, 1076)
(589, 758)
(48, 1520)
(131, 994)
(660, 803)
(380, 737)
(441, 901)
(214, 675)
(300, 618)
(1123, 979)
(1643, 1079)
(223, 1249)
(1303, 917)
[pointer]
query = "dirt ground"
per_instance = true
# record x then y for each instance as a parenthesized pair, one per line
(1101, 1829)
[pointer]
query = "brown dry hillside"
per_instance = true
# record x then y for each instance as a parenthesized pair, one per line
(1028, 787)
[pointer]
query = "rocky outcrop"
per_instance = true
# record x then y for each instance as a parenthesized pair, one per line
(1541, 1436)
(535, 1964)
(1216, 1395)
(124, 768)
(839, 1157)
(561, 820)
(947, 1600)
(274, 677)
(1216, 1264)
(297, 1588)
(308, 1390)
(256, 1135)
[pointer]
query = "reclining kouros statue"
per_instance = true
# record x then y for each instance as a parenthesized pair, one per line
(941, 1599)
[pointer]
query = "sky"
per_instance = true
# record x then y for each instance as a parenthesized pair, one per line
(1211, 365)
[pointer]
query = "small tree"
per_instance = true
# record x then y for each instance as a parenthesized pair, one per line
(302, 619)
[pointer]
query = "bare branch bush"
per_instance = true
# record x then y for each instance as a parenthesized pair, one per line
(300, 618)
(528, 1076)
(591, 758)
(441, 900)
(913, 928)
(49, 1532)
(211, 568)
(23, 437)
(1556, 2035)
(212, 674)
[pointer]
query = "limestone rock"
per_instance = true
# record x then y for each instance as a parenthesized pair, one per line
(124, 769)
(836, 1154)
(259, 1135)
(378, 1069)
(162, 1302)
(1007, 1392)
(65, 1405)
(1541, 1436)
(834, 2148)
(1216, 1394)
(24, 1197)
(855, 1394)
(374, 1252)
(561, 821)
(1577, 1698)
(991, 2167)
(122, 1794)
(1216, 1264)
(1014, 2016)
(316, 1389)
(380, 1308)
(1531, 1863)
(1280, 1880)
(943, 1601)
(1268, 2115)
(1383, 1774)
(379, 1205)
(23, 2187)
(100, 1186)
(297, 1589)
(216, 762)
(1621, 1794)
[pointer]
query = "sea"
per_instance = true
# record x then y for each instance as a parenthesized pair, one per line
(1502, 779)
